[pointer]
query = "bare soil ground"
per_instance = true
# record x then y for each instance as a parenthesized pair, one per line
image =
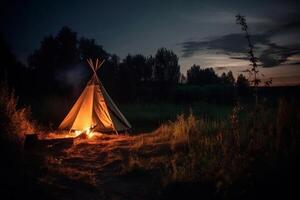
(107, 167)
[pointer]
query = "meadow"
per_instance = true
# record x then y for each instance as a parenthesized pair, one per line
(210, 150)
(147, 117)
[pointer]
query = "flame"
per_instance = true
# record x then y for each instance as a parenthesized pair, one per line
(89, 133)
(77, 133)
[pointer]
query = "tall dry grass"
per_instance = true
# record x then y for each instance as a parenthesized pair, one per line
(15, 122)
(224, 152)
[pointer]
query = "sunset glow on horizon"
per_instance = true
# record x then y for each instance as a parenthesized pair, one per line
(199, 32)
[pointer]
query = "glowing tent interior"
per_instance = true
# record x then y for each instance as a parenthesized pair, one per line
(95, 110)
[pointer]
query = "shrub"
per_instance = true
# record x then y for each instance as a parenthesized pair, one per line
(14, 122)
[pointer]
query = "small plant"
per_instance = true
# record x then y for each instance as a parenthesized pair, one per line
(253, 71)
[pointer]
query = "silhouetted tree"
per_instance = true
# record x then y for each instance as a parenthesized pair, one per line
(228, 78)
(12, 72)
(182, 78)
(110, 75)
(242, 82)
(194, 75)
(67, 47)
(142, 69)
(166, 68)
(149, 74)
(127, 79)
(46, 57)
(89, 49)
(198, 76)
(54, 54)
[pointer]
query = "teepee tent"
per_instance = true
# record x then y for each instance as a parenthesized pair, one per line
(94, 109)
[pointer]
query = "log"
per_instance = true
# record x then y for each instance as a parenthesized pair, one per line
(57, 143)
(32, 142)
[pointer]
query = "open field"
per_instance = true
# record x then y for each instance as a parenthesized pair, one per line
(212, 158)
(147, 117)
(175, 151)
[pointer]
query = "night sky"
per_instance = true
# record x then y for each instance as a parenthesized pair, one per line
(199, 32)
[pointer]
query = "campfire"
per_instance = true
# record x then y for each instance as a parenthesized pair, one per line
(88, 133)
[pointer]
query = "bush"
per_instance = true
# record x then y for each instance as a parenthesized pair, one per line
(15, 122)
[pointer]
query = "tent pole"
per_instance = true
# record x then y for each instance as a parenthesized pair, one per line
(115, 129)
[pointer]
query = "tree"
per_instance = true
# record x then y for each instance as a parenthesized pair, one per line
(109, 74)
(150, 69)
(46, 57)
(210, 76)
(55, 54)
(242, 85)
(12, 72)
(142, 69)
(198, 76)
(182, 79)
(89, 49)
(127, 81)
(67, 47)
(194, 75)
(242, 82)
(166, 67)
(228, 78)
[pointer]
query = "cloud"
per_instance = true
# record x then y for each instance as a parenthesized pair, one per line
(221, 68)
(231, 43)
(294, 63)
(239, 57)
(289, 23)
(269, 53)
(275, 55)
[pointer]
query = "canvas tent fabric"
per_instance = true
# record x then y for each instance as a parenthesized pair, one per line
(94, 109)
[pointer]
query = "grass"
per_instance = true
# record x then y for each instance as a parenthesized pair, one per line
(224, 157)
(147, 117)
(15, 122)
(215, 147)
(227, 152)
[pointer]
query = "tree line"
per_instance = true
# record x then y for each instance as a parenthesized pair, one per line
(136, 77)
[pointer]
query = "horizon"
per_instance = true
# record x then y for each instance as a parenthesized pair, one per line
(202, 33)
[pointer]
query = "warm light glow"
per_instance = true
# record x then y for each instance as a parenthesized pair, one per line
(77, 133)
(89, 133)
